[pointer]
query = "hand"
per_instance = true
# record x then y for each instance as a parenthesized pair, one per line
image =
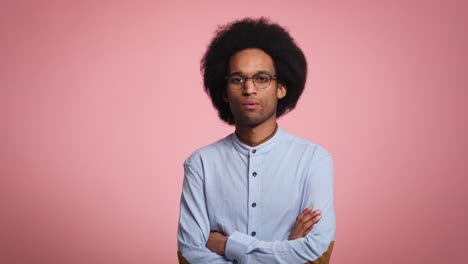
(304, 223)
(217, 242)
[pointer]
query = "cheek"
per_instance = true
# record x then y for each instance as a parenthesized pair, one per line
(231, 98)
(272, 99)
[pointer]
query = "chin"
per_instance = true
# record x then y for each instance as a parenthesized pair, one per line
(251, 122)
(252, 119)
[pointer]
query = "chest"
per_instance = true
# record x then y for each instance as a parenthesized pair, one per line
(264, 190)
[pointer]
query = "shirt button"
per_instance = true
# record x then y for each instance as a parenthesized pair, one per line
(254, 150)
(254, 204)
(253, 233)
(254, 174)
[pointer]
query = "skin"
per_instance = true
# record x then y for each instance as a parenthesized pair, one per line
(304, 223)
(256, 125)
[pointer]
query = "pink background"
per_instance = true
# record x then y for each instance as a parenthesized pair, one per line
(101, 101)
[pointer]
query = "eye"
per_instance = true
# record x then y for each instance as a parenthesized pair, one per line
(262, 78)
(235, 79)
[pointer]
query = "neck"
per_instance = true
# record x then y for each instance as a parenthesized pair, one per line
(254, 136)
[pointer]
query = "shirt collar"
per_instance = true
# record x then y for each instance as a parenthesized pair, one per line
(263, 148)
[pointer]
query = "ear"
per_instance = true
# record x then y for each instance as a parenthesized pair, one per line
(281, 91)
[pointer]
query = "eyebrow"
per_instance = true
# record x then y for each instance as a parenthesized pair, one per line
(240, 73)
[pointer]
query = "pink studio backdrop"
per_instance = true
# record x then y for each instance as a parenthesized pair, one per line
(101, 101)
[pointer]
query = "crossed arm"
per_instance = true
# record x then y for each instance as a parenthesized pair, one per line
(199, 245)
(303, 225)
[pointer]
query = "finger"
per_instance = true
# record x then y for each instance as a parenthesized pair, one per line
(317, 218)
(304, 221)
(303, 214)
(314, 221)
(307, 217)
(307, 231)
(304, 217)
(312, 215)
(316, 213)
(309, 224)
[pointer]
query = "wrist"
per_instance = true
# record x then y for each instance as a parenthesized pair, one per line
(222, 245)
(237, 245)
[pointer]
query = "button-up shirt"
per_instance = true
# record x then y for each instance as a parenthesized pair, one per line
(253, 195)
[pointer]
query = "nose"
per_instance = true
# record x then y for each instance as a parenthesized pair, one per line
(249, 87)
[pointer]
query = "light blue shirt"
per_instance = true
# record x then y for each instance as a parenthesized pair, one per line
(253, 195)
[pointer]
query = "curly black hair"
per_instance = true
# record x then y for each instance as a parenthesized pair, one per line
(289, 61)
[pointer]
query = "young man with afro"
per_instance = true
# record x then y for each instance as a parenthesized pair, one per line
(259, 195)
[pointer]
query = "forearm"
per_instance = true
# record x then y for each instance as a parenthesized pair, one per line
(198, 255)
(245, 249)
(194, 225)
(217, 243)
(315, 245)
(192, 239)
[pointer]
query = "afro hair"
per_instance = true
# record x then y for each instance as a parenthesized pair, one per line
(289, 61)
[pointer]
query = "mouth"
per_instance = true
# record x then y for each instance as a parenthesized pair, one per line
(250, 105)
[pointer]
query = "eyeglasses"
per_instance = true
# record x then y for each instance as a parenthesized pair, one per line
(260, 80)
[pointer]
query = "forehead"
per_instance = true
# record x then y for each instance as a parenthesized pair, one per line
(251, 61)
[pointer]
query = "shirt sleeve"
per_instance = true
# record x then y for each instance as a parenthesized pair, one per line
(194, 225)
(318, 194)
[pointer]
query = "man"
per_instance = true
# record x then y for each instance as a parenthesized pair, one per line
(248, 197)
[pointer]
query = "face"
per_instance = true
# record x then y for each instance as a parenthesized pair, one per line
(249, 105)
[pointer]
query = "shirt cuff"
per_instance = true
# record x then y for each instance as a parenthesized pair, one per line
(237, 245)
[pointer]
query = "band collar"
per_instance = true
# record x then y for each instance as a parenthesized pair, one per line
(263, 148)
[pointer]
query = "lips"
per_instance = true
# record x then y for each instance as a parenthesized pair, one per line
(250, 105)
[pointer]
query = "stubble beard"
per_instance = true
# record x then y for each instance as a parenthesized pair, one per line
(246, 120)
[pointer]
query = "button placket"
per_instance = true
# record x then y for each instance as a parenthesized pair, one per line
(254, 166)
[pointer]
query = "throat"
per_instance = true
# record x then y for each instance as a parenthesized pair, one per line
(253, 138)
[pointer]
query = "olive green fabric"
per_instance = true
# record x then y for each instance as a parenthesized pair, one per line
(182, 260)
(325, 258)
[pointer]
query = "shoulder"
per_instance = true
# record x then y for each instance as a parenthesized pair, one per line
(307, 148)
(209, 152)
(316, 161)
